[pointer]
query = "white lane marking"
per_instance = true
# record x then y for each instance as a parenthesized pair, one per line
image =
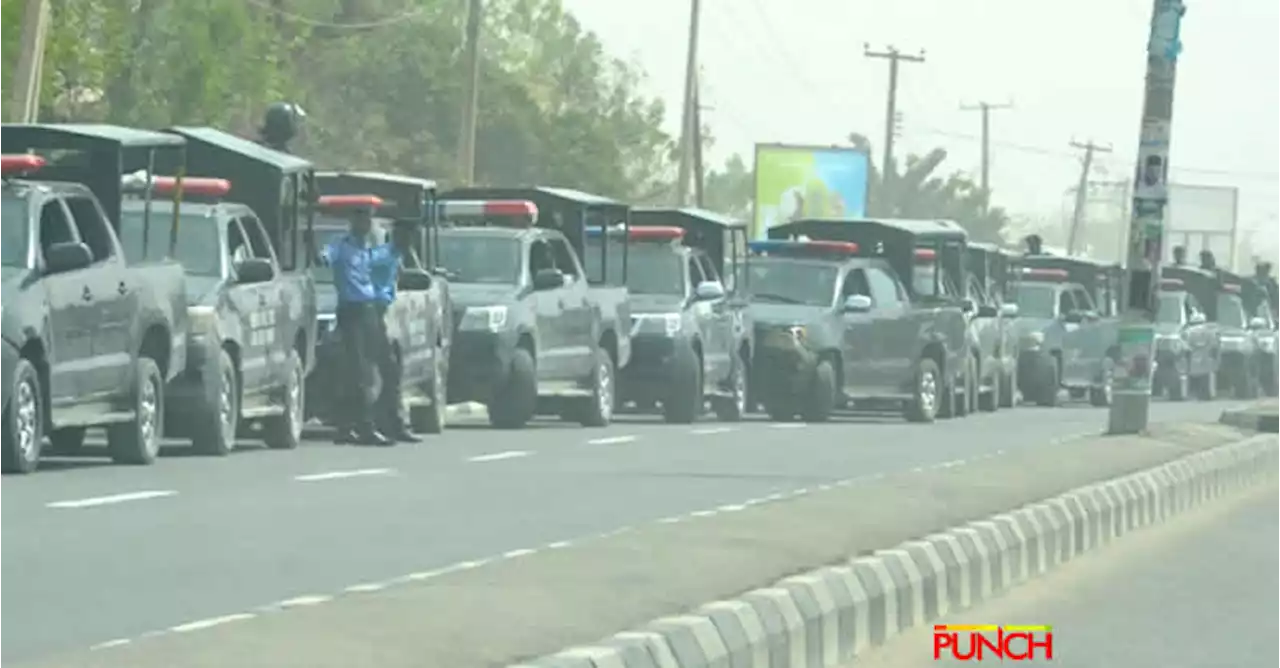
(499, 456)
(512, 554)
(338, 475)
(114, 498)
(707, 431)
(560, 544)
(954, 462)
(789, 425)
(210, 623)
(670, 520)
(303, 601)
(112, 643)
(366, 588)
(611, 440)
(732, 507)
(437, 572)
(702, 513)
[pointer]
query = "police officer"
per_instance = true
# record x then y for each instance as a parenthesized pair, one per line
(389, 408)
(1180, 255)
(355, 260)
(281, 124)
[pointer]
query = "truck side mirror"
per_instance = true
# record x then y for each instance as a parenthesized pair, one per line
(414, 279)
(1009, 310)
(254, 270)
(548, 279)
(1074, 317)
(67, 256)
(709, 290)
(1197, 318)
(968, 306)
(1257, 323)
(857, 304)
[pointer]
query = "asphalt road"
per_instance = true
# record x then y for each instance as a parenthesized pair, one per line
(93, 552)
(1199, 592)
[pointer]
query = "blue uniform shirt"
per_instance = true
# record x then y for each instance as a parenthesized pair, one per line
(354, 265)
(384, 281)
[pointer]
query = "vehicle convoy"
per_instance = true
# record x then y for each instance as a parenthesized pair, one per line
(1262, 324)
(690, 339)
(836, 326)
(418, 321)
(90, 338)
(1186, 343)
(991, 330)
(253, 327)
(1067, 328)
(1240, 360)
(536, 332)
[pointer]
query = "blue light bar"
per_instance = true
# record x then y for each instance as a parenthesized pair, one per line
(595, 231)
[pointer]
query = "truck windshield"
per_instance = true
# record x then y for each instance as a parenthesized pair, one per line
(652, 269)
(492, 260)
(15, 230)
(783, 281)
(1230, 310)
(198, 246)
(1036, 300)
(1169, 311)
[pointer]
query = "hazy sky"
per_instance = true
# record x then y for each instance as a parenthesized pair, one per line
(794, 71)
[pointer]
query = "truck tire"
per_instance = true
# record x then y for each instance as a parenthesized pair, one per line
(514, 403)
(1046, 385)
(67, 441)
(1100, 395)
(822, 394)
(1203, 387)
(926, 392)
(685, 397)
(966, 402)
(597, 410)
(137, 441)
(734, 407)
(24, 420)
(431, 419)
(217, 420)
(1177, 384)
(284, 431)
(1244, 384)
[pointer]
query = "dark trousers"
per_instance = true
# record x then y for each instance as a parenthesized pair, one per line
(358, 325)
(389, 406)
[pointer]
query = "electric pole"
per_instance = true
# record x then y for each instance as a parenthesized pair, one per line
(986, 108)
(699, 171)
(894, 57)
(470, 94)
(1082, 191)
(688, 130)
(1131, 389)
(27, 74)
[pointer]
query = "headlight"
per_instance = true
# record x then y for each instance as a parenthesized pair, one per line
(1032, 340)
(326, 323)
(491, 318)
(668, 324)
(1267, 345)
(1232, 342)
(203, 318)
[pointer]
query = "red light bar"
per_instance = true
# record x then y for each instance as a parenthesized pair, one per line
(494, 208)
(656, 233)
(926, 254)
(1060, 274)
(349, 202)
(165, 185)
(838, 246)
(20, 164)
(1231, 287)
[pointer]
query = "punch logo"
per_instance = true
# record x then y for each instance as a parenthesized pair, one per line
(983, 642)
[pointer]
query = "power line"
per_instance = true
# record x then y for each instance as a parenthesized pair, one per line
(1082, 191)
(315, 23)
(986, 108)
(894, 57)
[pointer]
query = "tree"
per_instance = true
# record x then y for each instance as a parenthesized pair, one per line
(731, 189)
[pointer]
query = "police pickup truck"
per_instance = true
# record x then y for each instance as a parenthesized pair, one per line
(1067, 328)
(1186, 343)
(1240, 369)
(835, 325)
(90, 339)
(1262, 324)
(690, 339)
(990, 325)
(419, 321)
(532, 335)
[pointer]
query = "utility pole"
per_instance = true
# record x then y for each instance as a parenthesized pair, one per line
(1082, 191)
(986, 108)
(688, 130)
(1131, 388)
(699, 171)
(27, 74)
(894, 57)
(470, 94)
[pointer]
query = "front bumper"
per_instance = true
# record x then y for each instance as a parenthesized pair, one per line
(651, 371)
(479, 362)
(10, 358)
(192, 392)
(782, 366)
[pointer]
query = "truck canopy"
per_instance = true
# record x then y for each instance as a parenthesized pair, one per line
(279, 187)
(93, 154)
(569, 211)
(1099, 279)
(722, 238)
(406, 200)
(991, 264)
(897, 240)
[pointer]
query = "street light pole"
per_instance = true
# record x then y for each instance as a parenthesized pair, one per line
(1131, 395)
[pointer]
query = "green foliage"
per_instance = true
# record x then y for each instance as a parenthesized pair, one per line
(382, 82)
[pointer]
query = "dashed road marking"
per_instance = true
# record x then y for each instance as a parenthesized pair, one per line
(366, 588)
(499, 456)
(707, 431)
(210, 623)
(339, 475)
(112, 643)
(611, 440)
(513, 554)
(788, 425)
(303, 601)
(112, 499)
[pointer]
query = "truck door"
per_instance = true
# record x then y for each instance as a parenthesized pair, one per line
(72, 313)
(551, 325)
(114, 293)
(859, 343)
(578, 317)
(1079, 357)
(720, 324)
(253, 308)
(894, 328)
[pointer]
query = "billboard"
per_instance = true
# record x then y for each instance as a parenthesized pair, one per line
(1202, 218)
(808, 181)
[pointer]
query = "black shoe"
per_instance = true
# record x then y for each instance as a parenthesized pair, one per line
(346, 437)
(373, 437)
(404, 435)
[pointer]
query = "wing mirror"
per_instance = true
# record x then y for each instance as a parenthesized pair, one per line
(1074, 317)
(709, 290)
(1196, 318)
(254, 270)
(987, 311)
(414, 279)
(548, 279)
(1009, 310)
(1257, 323)
(857, 304)
(968, 305)
(67, 256)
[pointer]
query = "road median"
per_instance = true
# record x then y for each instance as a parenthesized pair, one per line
(1261, 416)
(513, 609)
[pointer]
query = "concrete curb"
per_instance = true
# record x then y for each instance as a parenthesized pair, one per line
(1258, 418)
(825, 617)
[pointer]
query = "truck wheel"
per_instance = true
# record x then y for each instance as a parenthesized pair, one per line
(1046, 385)
(513, 405)
(431, 419)
(1008, 390)
(685, 402)
(1177, 384)
(969, 381)
(284, 431)
(67, 441)
(926, 390)
(822, 394)
(1203, 387)
(1244, 384)
(1268, 370)
(215, 428)
(138, 440)
(1100, 395)
(598, 408)
(734, 407)
(24, 420)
